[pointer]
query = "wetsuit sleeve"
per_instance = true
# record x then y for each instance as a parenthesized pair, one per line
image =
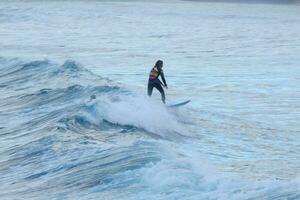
(163, 77)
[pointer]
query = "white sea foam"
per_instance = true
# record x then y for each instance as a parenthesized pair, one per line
(141, 112)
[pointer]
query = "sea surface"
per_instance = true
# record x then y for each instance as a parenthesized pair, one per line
(238, 62)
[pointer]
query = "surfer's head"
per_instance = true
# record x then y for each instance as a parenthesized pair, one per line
(92, 97)
(159, 63)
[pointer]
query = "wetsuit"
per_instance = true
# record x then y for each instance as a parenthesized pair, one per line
(155, 82)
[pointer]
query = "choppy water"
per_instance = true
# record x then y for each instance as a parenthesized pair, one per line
(237, 139)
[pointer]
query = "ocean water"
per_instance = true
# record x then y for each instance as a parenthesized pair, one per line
(238, 63)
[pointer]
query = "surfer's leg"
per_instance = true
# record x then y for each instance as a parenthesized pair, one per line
(150, 89)
(162, 92)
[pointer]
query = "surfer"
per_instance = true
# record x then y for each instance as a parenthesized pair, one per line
(154, 81)
(93, 97)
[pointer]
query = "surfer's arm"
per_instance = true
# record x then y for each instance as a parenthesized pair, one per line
(163, 78)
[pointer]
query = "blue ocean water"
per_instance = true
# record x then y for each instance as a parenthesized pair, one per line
(237, 62)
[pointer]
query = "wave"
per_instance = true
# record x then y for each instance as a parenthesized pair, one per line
(70, 84)
(55, 140)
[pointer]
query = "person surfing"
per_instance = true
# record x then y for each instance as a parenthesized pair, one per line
(154, 81)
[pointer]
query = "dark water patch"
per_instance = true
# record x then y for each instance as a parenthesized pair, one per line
(18, 68)
(130, 128)
(17, 72)
(47, 97)
(70, 67)
(35, 176)
(76, 122)
(125, 127)
(161, 35)
(51, 92)
(35, 148)
(35, 65)
(17, 80)
(69, 165)
(106, 88)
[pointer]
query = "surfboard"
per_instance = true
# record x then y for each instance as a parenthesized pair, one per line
(179, 104)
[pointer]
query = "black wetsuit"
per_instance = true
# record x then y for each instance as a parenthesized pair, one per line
(155, 82)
